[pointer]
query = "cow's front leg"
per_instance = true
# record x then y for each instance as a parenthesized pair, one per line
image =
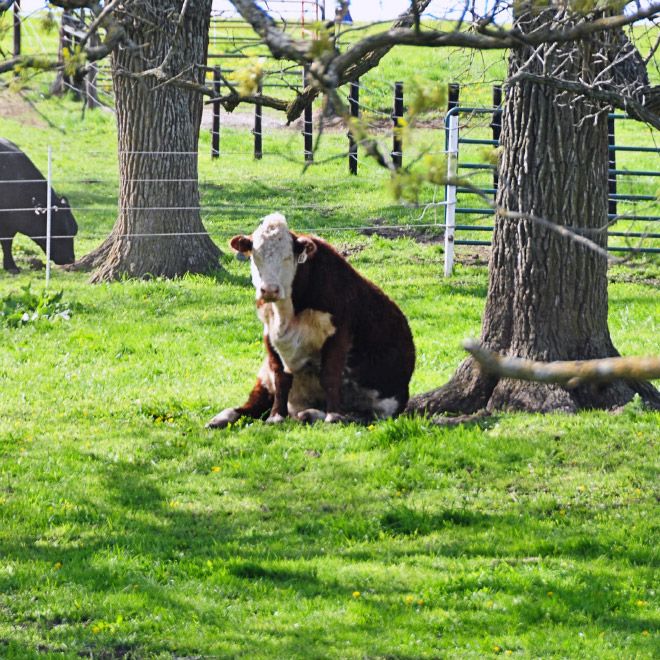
(333, 362)
(258, 403)
(8, 262)
(279, 411)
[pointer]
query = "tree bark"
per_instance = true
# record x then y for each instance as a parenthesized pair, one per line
(159, 231)
(547, 296)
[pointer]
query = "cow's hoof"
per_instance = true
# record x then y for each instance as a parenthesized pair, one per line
(275, 419)
(223, 419)
(334, 418)
(311, 415)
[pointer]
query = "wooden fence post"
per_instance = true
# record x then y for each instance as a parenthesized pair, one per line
(258, 150)
(17, 28)
(354, 104)
(496, 125)
(308, 127)
(611, 166)
(215, 128)
(397, 145)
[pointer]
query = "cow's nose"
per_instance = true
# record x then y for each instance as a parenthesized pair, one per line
(270, 292)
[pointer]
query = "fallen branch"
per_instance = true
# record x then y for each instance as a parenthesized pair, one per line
(567, 373)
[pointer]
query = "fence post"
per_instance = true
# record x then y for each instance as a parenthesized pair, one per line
(397, 145)
(308, 127)
(49, 211)
(91, 90)
(90, 87)
(496, 125)
(17, 28)
(354, 104)
(215, 128)
(611, 166)
(258, 148)
(451, 145)
(454, 91)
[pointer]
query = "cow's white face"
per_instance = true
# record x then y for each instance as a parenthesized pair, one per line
(274, 257)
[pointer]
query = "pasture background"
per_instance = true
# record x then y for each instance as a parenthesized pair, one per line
(130, 531)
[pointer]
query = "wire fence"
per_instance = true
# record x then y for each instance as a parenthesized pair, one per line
(435, 206)
(222, 219)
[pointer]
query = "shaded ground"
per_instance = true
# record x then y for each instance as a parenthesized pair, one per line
(13, 106)
(378, 227)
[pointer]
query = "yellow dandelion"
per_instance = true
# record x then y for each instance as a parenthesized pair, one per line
(645, 633)
(641, 603)
(371, 427)
(215, 468)
(508, 652)
(409, 600)
(497, 649)
(581, 489)
(420, 602)
(96, 630)
(356, 594)
(551, 594)
(57, 565)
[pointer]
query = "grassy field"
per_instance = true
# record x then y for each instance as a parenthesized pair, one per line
(129, 531)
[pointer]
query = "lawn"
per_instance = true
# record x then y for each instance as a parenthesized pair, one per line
(129, 531)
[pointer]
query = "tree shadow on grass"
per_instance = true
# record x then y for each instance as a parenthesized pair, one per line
(274, 548)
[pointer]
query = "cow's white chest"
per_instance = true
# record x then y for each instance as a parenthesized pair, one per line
(297, 338)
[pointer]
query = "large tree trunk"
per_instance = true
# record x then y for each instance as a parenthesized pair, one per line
(547, 295)
(159, 231)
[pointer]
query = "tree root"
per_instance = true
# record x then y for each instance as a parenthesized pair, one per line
(471, 390)
(110, 261)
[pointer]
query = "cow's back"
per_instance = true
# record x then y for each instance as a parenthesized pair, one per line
(20, 180)
(382, 354)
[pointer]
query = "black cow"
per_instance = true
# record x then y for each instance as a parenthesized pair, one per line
(23, 199)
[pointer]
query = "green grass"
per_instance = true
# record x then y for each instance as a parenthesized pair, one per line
(128, 530)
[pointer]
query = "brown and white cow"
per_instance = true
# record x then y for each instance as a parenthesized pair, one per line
(337, 347)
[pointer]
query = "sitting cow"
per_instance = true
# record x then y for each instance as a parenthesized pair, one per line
(337, 347)
(23, 200)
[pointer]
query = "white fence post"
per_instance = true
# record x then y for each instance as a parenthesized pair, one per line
(450, 192)
(49, 211)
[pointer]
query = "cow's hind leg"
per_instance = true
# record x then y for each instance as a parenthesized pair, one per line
(8, 262)
(258, 404)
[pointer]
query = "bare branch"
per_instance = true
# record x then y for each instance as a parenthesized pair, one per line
(567, 373)
(29, 61)
(281, 45)
(493, 40)
(98, 21)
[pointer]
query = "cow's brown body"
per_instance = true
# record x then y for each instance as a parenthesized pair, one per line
(337, 346)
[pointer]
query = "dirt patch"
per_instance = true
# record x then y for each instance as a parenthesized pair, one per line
(379, 227)
(13, 106)
(478, 256)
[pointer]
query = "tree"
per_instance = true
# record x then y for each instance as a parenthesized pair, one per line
(547, 295)
(158, 231)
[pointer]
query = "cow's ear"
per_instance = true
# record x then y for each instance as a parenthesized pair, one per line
(305, 248)
(242, 244)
